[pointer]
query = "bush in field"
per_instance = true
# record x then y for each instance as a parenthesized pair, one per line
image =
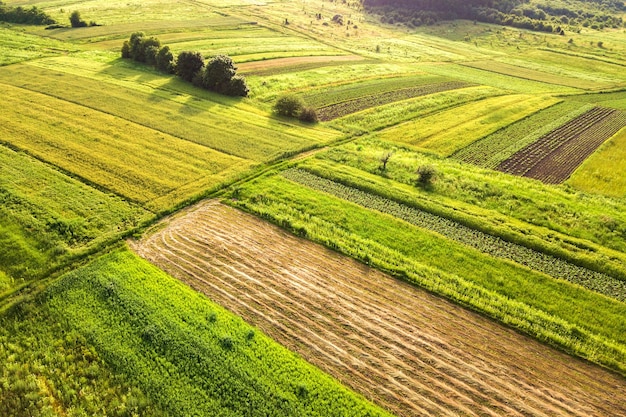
(308, 115)
(165, 60)
(425, 175)
(135, 48)
(289, 106)
(32, 16)
(189, 64)
(76, 21)
(147, 50)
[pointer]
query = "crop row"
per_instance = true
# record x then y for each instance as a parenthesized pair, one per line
(501, 145)
(483, 242)
(556, 155)
(348, 107)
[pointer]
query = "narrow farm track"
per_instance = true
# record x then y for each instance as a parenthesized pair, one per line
(403, 348)
(556, 155)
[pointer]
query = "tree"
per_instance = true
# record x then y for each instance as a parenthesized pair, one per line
(76, 21)
(188, 64)
(384, 160)
(151, 54)
(289, 106)
(218, 73)
(151, 44)
(165, 60)
(136, 50)
(126, 50)
(237, 87)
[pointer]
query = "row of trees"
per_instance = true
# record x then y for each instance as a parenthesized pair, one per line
(218, 74)
(518, 13)
(32, 16)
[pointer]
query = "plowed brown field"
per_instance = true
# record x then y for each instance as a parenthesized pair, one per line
(407, 350)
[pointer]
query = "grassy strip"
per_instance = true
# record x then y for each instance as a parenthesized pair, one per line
(601, 172)
(576, 221)
(476, 239)
(47, 216)
(189, 355)
(344, 108)
(562, 314)
(391, 114)
(490, 151)
(446, 132)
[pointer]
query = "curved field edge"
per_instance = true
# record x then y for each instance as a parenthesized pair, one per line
(312, 214)
(187, 354)
(406, 349)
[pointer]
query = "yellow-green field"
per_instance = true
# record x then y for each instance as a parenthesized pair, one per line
(602, 173)
(445, 132)
(95, 149)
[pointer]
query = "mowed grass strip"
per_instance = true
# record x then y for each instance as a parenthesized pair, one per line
(136, 162)
(448, 131)
(531, 74)
(491, 150)
(18, 46)
(602, 172)
(293, 64)
(169, 105)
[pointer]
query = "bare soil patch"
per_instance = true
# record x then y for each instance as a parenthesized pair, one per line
(403, 348)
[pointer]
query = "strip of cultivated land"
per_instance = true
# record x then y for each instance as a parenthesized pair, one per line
(555, 156)
(404, 348)
(293, 64)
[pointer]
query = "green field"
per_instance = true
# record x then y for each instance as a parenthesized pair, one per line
(448, 131)
(171, 350)
(95, 149)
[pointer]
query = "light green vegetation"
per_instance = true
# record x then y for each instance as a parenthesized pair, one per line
(333, 94)
(518, 70)
(616, 100)
(188, 355)
(394, 113)
(228, 125)
(445, 132)
(46, 216)
(558, 215)
(493, 79)
(251, 43)
(490, 151)
(602, 173)
(555, 311)
(16, 46)
(401, 205)
(141, 164)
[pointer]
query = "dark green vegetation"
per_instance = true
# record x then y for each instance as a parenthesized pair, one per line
(95, 148)
(19, 14)
(540, 15)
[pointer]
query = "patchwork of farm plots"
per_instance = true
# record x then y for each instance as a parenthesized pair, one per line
(408, 350)
(553, 157)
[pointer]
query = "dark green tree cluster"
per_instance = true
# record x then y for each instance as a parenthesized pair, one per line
(293, 106)
(31, 16)
(540, 16)
(148, 50)
(218, 75)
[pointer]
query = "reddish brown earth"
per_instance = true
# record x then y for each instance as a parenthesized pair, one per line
(403, 348)
(556, 155)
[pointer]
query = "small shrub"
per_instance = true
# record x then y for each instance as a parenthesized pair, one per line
(308, 115)
(76, 21)
(425, 175)
(289, 106)
(227, 343)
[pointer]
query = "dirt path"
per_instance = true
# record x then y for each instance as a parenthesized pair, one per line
(403, 348)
